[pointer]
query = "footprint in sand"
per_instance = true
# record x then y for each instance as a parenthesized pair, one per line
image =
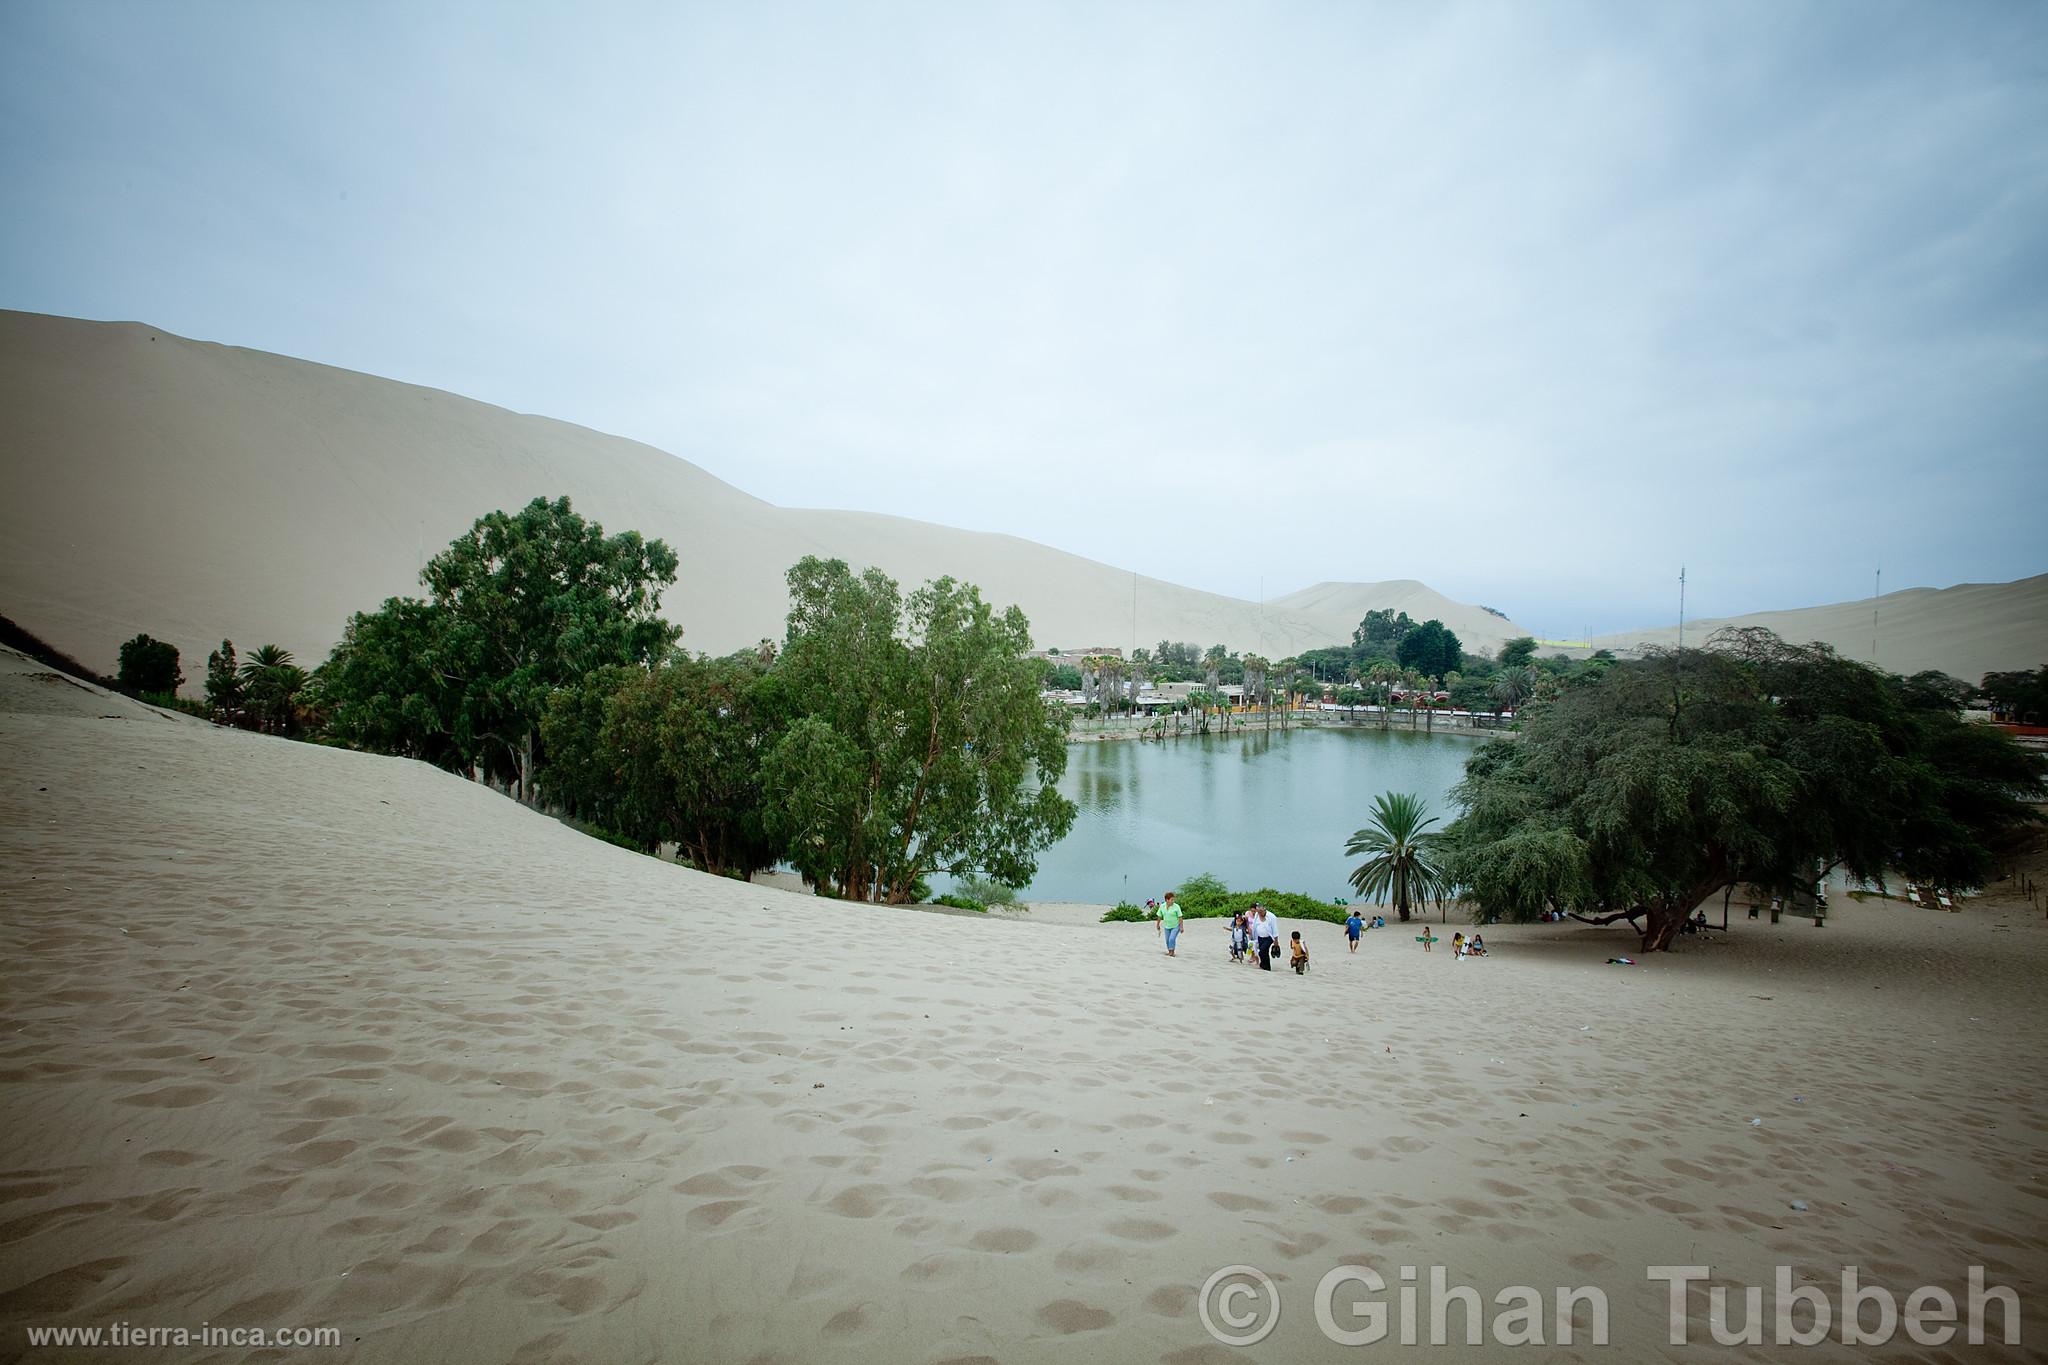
(1067, 1316)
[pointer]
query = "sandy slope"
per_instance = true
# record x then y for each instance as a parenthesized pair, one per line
(194, 491)
(292, 1036)
(1967, 630)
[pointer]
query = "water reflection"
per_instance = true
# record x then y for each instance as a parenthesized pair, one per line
(1264, 808)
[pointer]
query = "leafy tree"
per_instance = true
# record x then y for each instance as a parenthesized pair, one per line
(224, 685)
(1400, 854)
(1381, 633)
(923, 744)
(1350, 696)
(1657, 782)
(1429, 649)
(671, 754)
(532, 601)
(391, 688)
(151, 666)
(1518, 652)
(2018, 696)
(1065, 678)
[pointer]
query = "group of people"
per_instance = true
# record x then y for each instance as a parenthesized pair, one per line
(1461, 946)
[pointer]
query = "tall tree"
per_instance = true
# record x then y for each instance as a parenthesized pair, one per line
(671, 754)
(391, 687)
(149, 666)
(1643, 788)
(924, 744)
(1400, 854)
(1429, 649)
(224, 685)
(533, 600)
(1380, 633)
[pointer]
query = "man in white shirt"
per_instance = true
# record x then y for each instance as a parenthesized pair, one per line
(1266, 931)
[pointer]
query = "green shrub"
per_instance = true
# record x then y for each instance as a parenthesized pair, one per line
(960, 903)
(985, 892)
(1205, 897)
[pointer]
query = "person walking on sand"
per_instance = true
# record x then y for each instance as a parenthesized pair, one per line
(1267, 929)
(1169, 923)
(1354, 925)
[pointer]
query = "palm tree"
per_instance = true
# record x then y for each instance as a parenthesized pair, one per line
(1400, 863)
(1512, 688)
(271, 683)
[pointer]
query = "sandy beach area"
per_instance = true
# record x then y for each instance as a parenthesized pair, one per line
(291, 1036)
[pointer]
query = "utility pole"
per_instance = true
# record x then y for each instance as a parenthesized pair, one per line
(1876, 591)
(1681, 606)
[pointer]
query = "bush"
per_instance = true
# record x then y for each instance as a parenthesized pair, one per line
(1205, 897)
(960, 903)
(170, 701)
(985, 893)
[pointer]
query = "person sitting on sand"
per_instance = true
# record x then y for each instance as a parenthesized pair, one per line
(1354, 925)
(1298, 953)
(1379, 921)
(1425, 938)
(1476, 947)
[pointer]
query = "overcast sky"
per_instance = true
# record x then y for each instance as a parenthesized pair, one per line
(1532, 302)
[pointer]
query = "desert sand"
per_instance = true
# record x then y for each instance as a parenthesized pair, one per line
(294, 1036)
(194, 491)
(1965, 631)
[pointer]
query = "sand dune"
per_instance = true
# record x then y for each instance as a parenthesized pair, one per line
(1968, 630)
(196, 491)
(295, 1036)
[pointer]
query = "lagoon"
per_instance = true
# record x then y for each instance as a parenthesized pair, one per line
(1257, 808)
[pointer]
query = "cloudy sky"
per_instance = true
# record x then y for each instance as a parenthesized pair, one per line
(1534, 302)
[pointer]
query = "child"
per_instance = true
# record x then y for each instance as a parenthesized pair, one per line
(1476, 948)
(1458, 944)
(1354, 925)
(1299, 953)
(1238, 937)
(1425, 938)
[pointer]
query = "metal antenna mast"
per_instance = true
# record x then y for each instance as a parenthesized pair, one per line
(1681, 606)
(1876, 591)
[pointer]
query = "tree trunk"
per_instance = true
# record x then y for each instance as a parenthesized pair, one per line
(1662, 926)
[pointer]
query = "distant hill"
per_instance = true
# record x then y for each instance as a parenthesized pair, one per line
(1343, 605)
(195, 491)
(1967, 631)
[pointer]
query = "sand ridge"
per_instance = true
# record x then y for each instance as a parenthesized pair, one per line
(291, 1035)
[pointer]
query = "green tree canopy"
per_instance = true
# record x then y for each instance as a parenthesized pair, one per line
(1646, 786)
(391, 687)
(1518, 652)
(1381, 633)
(149, 666)
(521, 604)
(923, 743)
(672, 754)
(2019, 696)
(1430, 649)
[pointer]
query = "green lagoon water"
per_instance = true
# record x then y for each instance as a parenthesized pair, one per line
(1257, 809)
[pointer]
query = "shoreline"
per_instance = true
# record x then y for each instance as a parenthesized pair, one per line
(1096, 732)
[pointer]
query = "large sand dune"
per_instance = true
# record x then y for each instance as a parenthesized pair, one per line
(291, 1036)
(1967, 630)
(196, 491)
